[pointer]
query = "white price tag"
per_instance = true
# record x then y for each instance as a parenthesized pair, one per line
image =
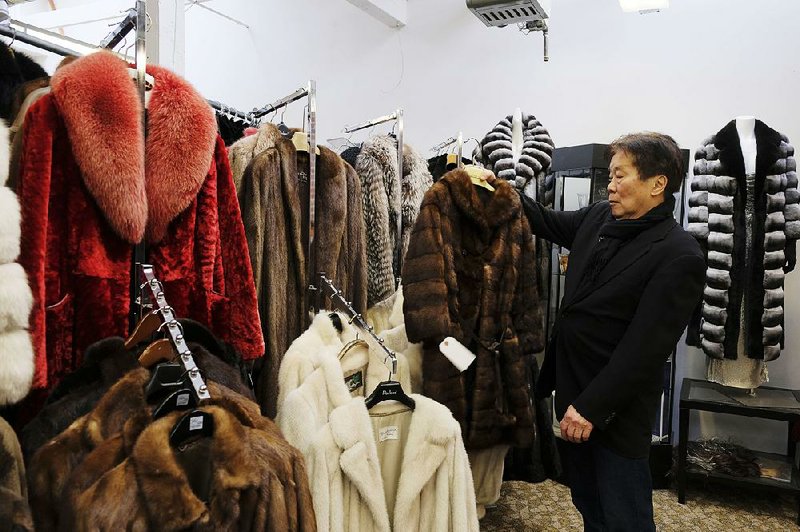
(460, 356)
(196, 423)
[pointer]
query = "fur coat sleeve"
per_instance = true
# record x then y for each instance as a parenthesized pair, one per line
(428, 281)
(16, 301)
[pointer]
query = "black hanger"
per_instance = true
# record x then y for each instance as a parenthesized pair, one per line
(181, 399)
(194, 424)
(389, 391)
(167, 377)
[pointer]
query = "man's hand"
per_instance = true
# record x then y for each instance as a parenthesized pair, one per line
(574, 427)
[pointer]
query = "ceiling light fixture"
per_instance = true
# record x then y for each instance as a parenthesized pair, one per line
(643, 6)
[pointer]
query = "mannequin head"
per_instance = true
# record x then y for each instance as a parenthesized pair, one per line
(645, 169)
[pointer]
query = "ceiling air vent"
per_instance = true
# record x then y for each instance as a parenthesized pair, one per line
(505, 12)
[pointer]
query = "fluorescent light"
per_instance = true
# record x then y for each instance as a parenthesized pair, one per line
(630, 6)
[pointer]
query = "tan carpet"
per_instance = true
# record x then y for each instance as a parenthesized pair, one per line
(547, 507)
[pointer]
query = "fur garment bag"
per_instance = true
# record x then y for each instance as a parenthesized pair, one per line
(718, 219)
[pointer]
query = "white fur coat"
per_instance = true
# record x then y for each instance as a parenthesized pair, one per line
(16, 351)
(312, 377)
(434, 491)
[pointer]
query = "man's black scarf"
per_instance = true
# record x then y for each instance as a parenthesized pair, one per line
(616, 233)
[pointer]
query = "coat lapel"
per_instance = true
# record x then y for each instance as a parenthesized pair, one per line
(352, 432)
(429, 436)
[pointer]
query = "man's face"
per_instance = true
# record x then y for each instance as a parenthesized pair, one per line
(630, 197)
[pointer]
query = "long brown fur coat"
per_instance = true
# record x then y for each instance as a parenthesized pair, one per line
(267, 170)
(470, 273)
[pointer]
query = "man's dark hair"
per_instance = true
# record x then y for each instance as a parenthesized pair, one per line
(653, 154)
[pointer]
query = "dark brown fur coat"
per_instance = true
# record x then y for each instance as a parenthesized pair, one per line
(470, 273)
(15, 515)
(94, 444)
(268, 172)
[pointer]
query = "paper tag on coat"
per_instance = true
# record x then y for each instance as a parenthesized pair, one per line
(388, 433)
(460, 356)
(182, 400)
(196, 423)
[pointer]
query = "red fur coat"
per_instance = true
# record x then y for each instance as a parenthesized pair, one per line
(91, 187)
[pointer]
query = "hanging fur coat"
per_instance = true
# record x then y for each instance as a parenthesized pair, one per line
(269, 176)
(529, 174)
(88, 195)
(15, 69)
(99, 441)
(15, 514)
(16, 351)
(247, 485)
(717, 218)
(384, 201)
(469, 274)
(387, 469)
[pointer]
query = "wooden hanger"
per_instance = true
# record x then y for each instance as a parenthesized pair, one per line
(144, 330)
(161, 350)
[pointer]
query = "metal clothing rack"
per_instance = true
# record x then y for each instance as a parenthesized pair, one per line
(396, 117)
(458, 141)
(337, 298)
(153, 290)
(127, 25)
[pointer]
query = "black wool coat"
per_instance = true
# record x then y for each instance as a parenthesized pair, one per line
(611, 339)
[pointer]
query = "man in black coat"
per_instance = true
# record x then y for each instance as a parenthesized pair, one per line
(633, 280)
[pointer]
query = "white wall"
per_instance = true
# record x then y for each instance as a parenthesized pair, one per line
(686, 71)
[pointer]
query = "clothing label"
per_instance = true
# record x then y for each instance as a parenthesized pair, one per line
(354, 381)
(196, 423)
(182, 400)
(460, 356)
(388, 433)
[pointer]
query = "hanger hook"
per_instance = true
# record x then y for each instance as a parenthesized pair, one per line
(283, 113)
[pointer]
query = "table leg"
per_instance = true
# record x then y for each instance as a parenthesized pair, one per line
(683, 447)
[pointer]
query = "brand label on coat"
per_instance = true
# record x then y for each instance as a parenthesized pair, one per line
(460, 356)
(196, 423)
(354, 381)
(388, 433)
(182, 399)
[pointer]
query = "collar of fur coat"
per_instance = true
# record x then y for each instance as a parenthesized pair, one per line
(163, 484)
(432, 435)
(140, 185)
(501, 207)
(496, 151)
(725, 144)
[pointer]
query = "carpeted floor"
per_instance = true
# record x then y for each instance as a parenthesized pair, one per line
(546, 507)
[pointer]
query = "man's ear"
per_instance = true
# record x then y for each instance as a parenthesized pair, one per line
(659, 185)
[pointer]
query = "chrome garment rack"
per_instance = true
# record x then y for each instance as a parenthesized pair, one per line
(153, 291)
(355, 317)
(458, 141)
(127, 25)
(396, 117)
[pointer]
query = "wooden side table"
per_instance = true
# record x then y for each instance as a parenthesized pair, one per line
(768, 403)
